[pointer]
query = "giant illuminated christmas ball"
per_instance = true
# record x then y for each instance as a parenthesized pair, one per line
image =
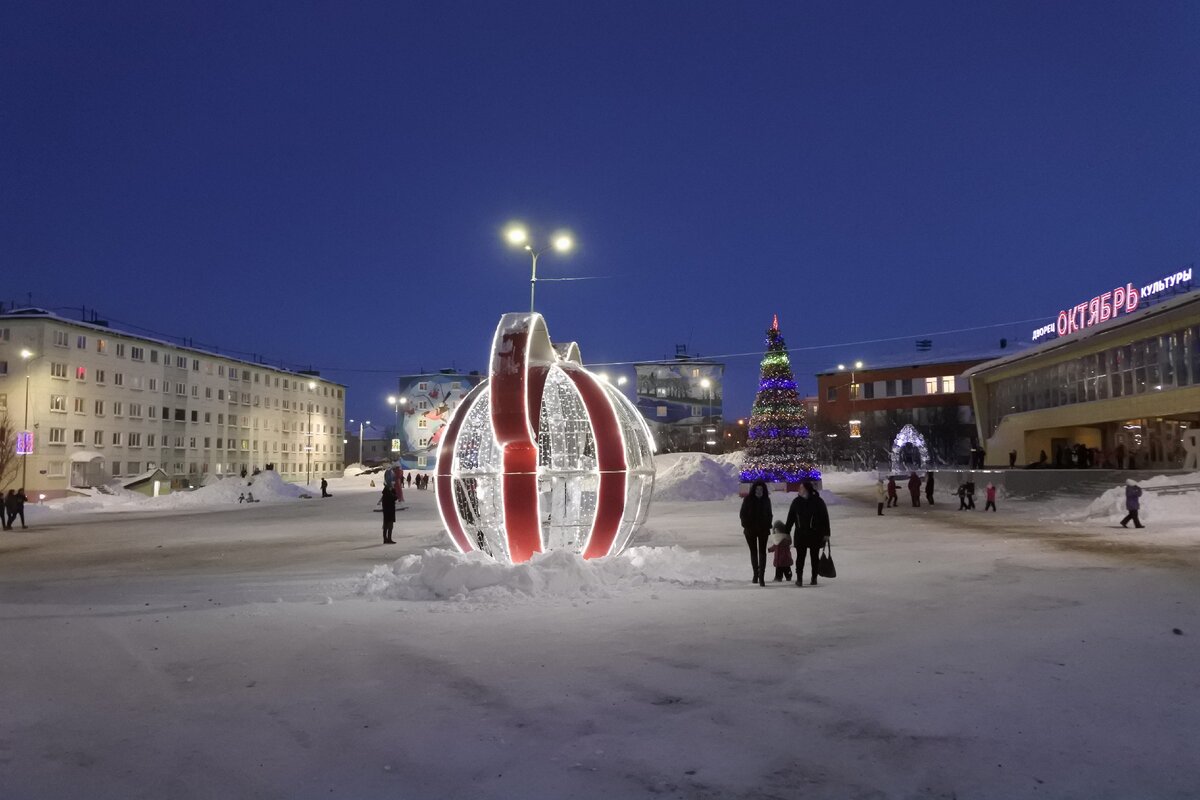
(543, 455)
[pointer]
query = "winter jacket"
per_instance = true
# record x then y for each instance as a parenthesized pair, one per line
(991, 494)
(914, 484)
(881, 492)
(1132, 493)
(891, 489)
(756, 511)
(389, 504)
(811, 518)
(929, 483)
(783, 552)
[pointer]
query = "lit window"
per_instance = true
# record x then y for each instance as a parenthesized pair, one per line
(80, 373)
(948, 384)
(931, 386)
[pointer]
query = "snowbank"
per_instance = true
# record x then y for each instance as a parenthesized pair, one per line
(266, 486)
(696, 476)
(1156, 506)
(439, 574)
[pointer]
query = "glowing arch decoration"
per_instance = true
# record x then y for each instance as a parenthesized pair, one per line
(543, 455)
(908, 435)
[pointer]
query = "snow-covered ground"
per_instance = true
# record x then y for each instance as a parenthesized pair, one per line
(279, 650)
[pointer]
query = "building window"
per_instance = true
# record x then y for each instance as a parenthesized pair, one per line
(153, 356)
(906, 387)
(195, 365)
(181, 415)
(948, 384)
(116, 438)
(58, 435)
(661, 411)
(135, 410)
(99, 408)
(133, 468)
(56, 469)
(868, 391)
(58, 402)
(931, 386)
(181, 362)
(101, 346)
(137, 353)
(77, 436)
(81, 342)
(58, 370)
(150, 439)
(831, 394)
(118, 379)
(60, 339)
(78, 402)
(134, 440)
(116, 468)
(98, 438)
(81, 373)
(854, 389)
(120, 350)
(118, 408)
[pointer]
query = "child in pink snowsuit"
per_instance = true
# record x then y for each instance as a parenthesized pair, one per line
(781, 546)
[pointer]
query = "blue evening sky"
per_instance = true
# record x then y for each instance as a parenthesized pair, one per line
(325, 183)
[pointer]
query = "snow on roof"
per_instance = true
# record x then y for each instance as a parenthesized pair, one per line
(930, 358)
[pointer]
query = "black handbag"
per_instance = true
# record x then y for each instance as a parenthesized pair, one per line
(825, 567)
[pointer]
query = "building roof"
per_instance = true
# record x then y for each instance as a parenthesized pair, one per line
(932, 358)
(42, 314)
(1104, 328)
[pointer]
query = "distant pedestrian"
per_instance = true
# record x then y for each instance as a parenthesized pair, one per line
(893, 500)
(1042, 458)
(756, 527)
(14, 505)
(881, 494)
(410, 479)
(1012, 458)
(1133, 504)
(929, 487)
(962, 497)
(970, 492)
(914, 488)
(5, 505)
(811, 520)
(389, 513)
(781, 546)
(990, 493)
(325, 488)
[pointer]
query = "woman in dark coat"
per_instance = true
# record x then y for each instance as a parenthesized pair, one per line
(389, 513)
(756, 526)
(811, 519)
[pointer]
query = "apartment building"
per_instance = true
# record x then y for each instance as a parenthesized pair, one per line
(106, 404)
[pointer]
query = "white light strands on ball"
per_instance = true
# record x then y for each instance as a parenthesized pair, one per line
(543, 455)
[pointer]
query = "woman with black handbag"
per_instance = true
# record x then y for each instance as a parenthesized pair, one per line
(811, 518)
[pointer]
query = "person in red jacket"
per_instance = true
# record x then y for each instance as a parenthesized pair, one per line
(781, 546)
(914, 488)
(991, 497)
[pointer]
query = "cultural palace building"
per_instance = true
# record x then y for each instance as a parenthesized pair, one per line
(92, 404)
(1118, 374)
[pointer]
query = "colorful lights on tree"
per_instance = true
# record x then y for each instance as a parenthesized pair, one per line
(778, 448)
(543, 455)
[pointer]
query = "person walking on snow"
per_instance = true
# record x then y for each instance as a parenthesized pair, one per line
(892, 499)
(6, 505)
(970, 492)
(929, 487)
(962, 497)
(811, 518)
(781, 546)
(325, 488)
(389, 513)
(914, 488)
(15, 506)
(881, 494)
(990, 494)
(1132, 504)
(756, 527)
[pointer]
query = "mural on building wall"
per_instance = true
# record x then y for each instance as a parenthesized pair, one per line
(681, 401)
(429, 402)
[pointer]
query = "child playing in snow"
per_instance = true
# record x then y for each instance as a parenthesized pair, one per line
(781, 546)
(991, 497)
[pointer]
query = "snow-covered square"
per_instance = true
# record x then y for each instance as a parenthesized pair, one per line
(195, 647)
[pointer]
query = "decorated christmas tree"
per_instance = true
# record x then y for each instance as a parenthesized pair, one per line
(778, 449)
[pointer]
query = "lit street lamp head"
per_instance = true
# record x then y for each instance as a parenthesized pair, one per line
(858, 364)
(563, 242)
(391, 400)
(516, 235)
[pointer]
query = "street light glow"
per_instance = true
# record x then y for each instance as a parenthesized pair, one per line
(391, 399)
(563, 242)
(621, 381)
(858, 365)
(26, 354)
(403, 400)
(841, 366)
(516, 235)
(312, 384)
(705, 383)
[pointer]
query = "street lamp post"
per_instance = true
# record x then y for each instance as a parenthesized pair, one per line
(27, 357)
(308, 448)
(518, 236)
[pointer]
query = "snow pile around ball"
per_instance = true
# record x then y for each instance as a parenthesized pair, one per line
(695, 476)
(1179, 507)
(440, 574)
